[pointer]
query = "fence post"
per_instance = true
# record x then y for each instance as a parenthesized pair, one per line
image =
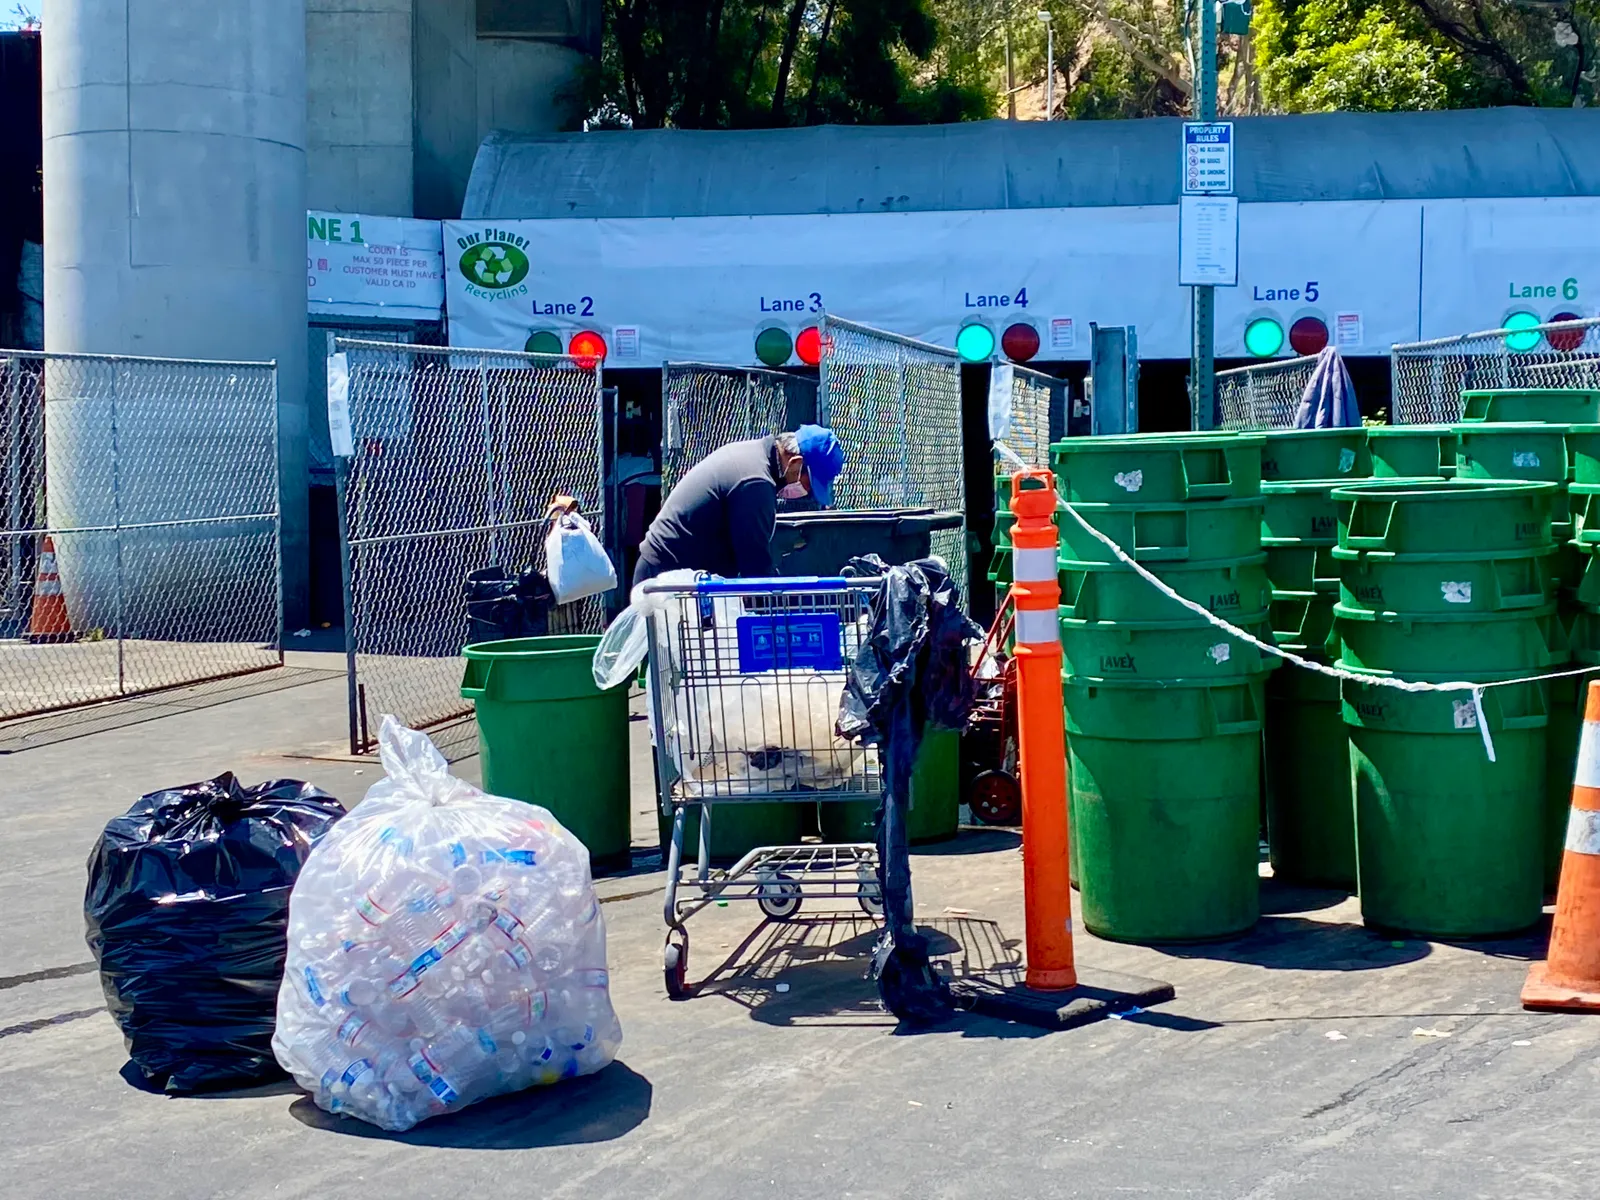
(15, 590)
(906, 497)
(116, 519)
(341, 484)
(492, 509)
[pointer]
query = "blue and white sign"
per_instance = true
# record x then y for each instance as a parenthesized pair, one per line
(1207, 158)
(789, 641)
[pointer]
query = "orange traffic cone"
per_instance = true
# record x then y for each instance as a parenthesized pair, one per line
(1569, 978)
(49, 622)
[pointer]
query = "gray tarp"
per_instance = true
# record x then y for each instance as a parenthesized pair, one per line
(1329, 401)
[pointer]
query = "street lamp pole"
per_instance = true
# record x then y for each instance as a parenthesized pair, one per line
(1049, 66)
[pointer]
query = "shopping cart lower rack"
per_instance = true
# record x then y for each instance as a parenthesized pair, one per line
(745, 679)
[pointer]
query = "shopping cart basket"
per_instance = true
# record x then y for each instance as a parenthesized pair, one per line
(745, 678)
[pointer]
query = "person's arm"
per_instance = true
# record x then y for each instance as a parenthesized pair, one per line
(752, 518)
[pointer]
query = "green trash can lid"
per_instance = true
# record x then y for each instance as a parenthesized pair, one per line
(1144, 441)
(1429, 491)
(1437, 430)
(1493, 428)
(1337, 431)
(531, 648)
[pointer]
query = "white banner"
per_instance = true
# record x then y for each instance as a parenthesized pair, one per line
(363, 266)
(1372, 273)
(1483, 260)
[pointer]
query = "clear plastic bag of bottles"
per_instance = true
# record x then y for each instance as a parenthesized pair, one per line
(445, 946)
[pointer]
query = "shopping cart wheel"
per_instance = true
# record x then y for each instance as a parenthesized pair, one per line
(995, 798)
(870, 897)
(675, 960)
(779, 896)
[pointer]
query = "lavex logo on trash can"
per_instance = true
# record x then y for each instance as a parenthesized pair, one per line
(495, 260)
(1223, 602)
(786, 641)
(1117, 662)
(1324, 526)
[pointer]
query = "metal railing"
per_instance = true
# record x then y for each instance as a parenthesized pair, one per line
(139, 526)
(1263, 395)
(1426, 379)
(704, 406)
(894, 403)
(454, 458)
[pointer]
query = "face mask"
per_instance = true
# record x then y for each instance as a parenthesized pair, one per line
(792, 491)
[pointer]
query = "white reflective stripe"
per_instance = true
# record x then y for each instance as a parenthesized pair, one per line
(1583, 831)
(1588, 772)
(1035, 625)
(1033, 566)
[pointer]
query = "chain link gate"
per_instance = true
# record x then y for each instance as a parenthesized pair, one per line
(455, 456)
(705, 406)
(894, 403)
(1426, 379)
(139, 526)
(1263, 395)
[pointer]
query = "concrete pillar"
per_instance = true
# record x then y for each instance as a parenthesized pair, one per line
(175, 198)
(359, 106)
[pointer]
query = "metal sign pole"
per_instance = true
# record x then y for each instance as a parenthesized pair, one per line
(1203, 363)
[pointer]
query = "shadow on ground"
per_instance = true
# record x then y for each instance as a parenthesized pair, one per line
(1302, 944)
(596, 1108)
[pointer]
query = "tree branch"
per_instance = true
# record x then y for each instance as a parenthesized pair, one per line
(791, 37)
(1483, 43)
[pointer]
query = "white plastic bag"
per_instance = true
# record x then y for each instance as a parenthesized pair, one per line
(445, 946)
(624, 644)
(575, 562)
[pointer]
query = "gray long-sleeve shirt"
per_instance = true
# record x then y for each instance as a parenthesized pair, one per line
(721, 516)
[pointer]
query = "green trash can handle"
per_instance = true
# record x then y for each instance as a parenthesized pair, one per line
(1251, 725)
(1532, 720)
(1369, 541)
(1505, 599)
(475, 679)
(1200, 491)
(1158, 553)
(1553, 650)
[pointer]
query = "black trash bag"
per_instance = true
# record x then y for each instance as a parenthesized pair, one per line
(502, 606)
(188, 913)
(909, 675)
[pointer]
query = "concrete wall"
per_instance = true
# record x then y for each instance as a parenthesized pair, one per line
(175, 197)
(359, 105)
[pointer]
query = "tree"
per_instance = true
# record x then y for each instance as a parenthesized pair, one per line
(1387, 55)
(738, 64)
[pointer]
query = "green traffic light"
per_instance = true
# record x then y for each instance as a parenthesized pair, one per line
(543, 341)
(773, 346)
(975, 343)
(1263, 337)
(1524, 332)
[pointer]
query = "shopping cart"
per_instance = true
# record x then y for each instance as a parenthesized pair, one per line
(745, 678)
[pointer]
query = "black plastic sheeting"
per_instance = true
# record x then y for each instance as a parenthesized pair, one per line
(502, 606)
(187, 911)
(910, 675)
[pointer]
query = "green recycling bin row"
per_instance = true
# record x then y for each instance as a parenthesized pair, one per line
(1443, 583)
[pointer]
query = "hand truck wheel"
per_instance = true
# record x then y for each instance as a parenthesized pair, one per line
(778, 896)
(675, 962)
(995, 798)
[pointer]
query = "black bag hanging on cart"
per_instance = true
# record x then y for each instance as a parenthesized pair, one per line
(910, 674)
(187, 911)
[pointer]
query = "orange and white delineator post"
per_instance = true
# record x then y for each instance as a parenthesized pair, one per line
(1041, 732)
(1569, 978)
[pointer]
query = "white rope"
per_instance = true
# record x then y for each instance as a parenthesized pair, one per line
(1404, 685)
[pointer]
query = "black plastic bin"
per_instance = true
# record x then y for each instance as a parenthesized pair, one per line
(821, 543)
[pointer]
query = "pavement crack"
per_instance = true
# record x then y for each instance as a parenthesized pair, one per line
(46, 1022)
(1387, 1075)
(12, 981)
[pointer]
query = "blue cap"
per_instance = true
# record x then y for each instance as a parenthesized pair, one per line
(824, 459)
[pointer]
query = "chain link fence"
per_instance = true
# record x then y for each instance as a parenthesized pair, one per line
(1038, 406)
(139, 526)
(704, 406)
(1263, 395)
(1426, 379)
(454, 458)
(894, 403)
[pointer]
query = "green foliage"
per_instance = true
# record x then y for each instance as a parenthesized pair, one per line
(739, 64)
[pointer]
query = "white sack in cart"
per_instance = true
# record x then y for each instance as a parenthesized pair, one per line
(446, 946)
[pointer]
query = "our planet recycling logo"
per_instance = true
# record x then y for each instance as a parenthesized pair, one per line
(494, 266)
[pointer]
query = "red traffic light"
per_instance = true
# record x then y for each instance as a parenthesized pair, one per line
(808, 346)
(1565, 339)
(588, 347)
(1019, 342)
(1308, 335)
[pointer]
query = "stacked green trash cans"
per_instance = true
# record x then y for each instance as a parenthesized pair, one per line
(1581, 598)
(1412, 451)
(1310, 828)
(1164, 709)
(1441, 583)
(1004, 519)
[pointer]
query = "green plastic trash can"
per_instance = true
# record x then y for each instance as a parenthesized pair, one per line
(1316, 454)
(737, 828)
(549, 736)
(1310, 815)
(1412, 451)
(1567, 406)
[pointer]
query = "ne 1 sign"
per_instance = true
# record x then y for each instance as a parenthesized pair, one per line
(364, 266)
(1207, 158)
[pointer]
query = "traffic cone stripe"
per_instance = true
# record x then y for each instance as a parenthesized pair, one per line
(1588, 772)
(1583, 831)
(1036, 626)
(1033, 566)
